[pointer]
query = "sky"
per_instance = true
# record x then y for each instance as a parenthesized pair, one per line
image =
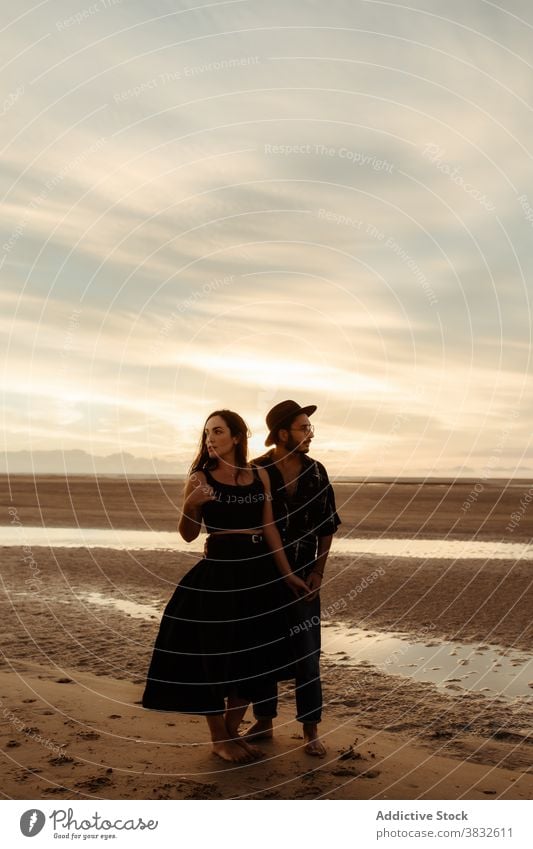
(229, 204)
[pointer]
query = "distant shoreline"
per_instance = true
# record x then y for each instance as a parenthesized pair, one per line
(340, 480)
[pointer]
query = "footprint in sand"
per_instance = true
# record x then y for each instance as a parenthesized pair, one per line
(61, 760)
(197, 790)
(355, 773)
(350, 754)
(344, 772)
(94, 783)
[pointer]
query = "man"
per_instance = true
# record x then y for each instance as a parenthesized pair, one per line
(305, 514)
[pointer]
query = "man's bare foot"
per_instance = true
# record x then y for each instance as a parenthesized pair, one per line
(313, 743)
(261, 730)
(230, 750)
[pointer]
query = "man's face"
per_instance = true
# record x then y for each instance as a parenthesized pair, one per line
(299, 435)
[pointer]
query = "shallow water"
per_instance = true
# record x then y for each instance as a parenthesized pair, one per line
(171, 541)
(452, 666)
(138, 610)
(131, 608)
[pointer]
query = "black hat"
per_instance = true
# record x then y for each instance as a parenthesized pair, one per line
(283, 413)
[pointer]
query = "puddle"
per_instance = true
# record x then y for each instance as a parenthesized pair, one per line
(435, 548)
(131, 608)
(171, 541)
(452, 666)
(115, 538)
(154, 610)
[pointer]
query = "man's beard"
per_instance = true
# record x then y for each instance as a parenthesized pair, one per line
(293, 445)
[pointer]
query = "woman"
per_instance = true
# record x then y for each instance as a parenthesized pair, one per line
(224, 634)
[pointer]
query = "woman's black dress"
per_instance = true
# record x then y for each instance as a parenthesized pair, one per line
(225, 630)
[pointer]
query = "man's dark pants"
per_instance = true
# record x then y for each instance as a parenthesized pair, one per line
(305, 636)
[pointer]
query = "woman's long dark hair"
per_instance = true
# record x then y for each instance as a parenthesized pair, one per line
(237, 427)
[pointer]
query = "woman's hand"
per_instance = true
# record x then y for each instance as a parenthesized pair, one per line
(296, 585)
(197, 492)
(199, 495)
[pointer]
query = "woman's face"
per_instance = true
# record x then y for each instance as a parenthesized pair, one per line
(218, 439)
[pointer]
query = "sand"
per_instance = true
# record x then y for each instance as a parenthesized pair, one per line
(371, 509)
(72, 674)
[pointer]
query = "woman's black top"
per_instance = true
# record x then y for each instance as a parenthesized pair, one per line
(236, 507)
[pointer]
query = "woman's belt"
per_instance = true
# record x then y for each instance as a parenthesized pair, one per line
(225, 544)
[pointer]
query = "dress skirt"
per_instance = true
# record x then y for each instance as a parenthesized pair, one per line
(225, 631)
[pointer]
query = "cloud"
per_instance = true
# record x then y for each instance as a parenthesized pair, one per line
(352, 178)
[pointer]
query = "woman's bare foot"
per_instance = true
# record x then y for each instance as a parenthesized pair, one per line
(261, 730)
(313, 743)
(230, 750)
(254, 750)
(233, 734)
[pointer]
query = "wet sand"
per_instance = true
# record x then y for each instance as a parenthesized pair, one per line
(72, 674)
(366, 509)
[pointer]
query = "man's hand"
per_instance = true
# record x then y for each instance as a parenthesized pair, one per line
(314, 582)
(298, 587)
